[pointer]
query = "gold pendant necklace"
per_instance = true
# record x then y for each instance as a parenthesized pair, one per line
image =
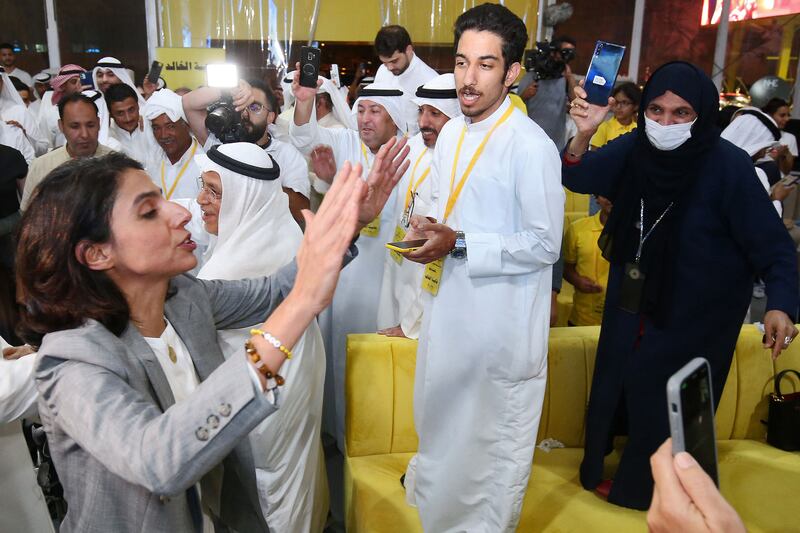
(172, 355)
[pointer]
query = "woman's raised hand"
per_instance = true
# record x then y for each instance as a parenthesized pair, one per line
(328, 235)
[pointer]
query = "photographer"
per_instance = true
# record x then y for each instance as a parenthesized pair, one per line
(250, 123)
(548, 85)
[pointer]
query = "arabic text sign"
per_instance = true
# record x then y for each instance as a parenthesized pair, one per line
(186, 67)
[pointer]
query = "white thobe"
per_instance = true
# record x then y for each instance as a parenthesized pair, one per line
(140, 144)
(482, 356)
(418, 73)
(401, 301)
(20, 114)
(13, 137)
(294, 168)
(355, 304)
(164, 173)
(18, 394)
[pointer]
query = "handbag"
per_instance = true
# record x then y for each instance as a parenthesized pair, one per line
(783, 422)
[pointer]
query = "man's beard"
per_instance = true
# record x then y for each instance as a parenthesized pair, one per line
(253, 132)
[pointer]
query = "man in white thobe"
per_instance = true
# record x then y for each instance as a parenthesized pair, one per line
(399, 62)
(401, 302)
(482, 358)
(355, 304)
(15, 113)
(133, 132)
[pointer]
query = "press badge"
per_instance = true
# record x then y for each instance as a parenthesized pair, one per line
(399, 235)
(433, 276)
(373, 228)
(632, 288)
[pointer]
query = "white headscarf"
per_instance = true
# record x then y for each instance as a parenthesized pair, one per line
(340, 108)
(387, 94)
(256, 234)
(115, 65)
(288, 94)
(9, 97)
(440, 92)
(748, 132)
(164, 101)
(104, 137)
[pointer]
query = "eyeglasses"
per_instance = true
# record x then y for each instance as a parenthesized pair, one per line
(623, 103)
(256, 108)
(212, 195)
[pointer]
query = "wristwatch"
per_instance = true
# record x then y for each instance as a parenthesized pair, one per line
(459, 250)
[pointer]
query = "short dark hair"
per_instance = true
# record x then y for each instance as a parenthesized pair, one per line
(773, 105)
(561, 39)
(18, 84)
(629, 89)
(272, 100)
(499, 20)
(3, 46)
(118, 93)
(391, 39)
(74, 98)
(58, 291)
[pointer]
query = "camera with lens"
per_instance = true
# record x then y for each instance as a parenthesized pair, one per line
(542, 61)
(224, 121)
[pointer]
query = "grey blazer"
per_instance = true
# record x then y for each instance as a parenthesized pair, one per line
(128, 455)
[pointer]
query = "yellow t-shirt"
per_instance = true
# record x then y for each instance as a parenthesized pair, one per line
(610, 130)
(581, 250)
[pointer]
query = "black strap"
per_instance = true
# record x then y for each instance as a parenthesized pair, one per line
(105, 64)
(436, 94)
(779, 377)
(765, 120)
(71, 71)
(259, 173)
(380, 92)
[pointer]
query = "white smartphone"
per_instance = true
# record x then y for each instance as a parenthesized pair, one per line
(690, 402)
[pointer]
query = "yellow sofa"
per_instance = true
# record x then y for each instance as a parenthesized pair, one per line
(761, 482)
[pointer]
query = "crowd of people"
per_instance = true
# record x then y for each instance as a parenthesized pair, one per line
(169, 302)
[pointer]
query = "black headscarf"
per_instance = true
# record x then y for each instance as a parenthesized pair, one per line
(660, 178)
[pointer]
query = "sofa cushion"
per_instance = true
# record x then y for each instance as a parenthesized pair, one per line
(759, 481)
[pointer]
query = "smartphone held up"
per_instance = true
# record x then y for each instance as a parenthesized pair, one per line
(603, 70)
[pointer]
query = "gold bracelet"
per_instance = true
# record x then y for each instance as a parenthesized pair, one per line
(255, 358)
(278, 345)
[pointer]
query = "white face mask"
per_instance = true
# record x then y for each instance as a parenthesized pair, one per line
(667, 137)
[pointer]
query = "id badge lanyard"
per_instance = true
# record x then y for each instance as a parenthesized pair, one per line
(642, 235)
(411, 193)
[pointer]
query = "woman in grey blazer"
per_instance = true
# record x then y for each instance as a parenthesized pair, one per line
(100, 265)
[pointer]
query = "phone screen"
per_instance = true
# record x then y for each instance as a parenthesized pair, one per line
(697, 408)
(603, 72)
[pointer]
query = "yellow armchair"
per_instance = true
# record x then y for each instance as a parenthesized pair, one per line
(761, 482)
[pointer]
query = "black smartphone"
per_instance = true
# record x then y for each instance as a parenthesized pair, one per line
(690, 402)
(155, 72)
(603, 71)
(309, 66)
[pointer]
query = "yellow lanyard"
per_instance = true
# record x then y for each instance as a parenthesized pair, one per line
(456, 192)
(166, 194)
(412, 187)
(366, 158)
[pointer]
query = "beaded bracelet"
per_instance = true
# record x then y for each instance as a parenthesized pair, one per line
(273, 341)
(255, 358)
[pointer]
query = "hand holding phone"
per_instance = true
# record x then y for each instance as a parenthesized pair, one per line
(403, 247)
(690, 402)
(155, 72)
(309, 66)
(602, 74)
